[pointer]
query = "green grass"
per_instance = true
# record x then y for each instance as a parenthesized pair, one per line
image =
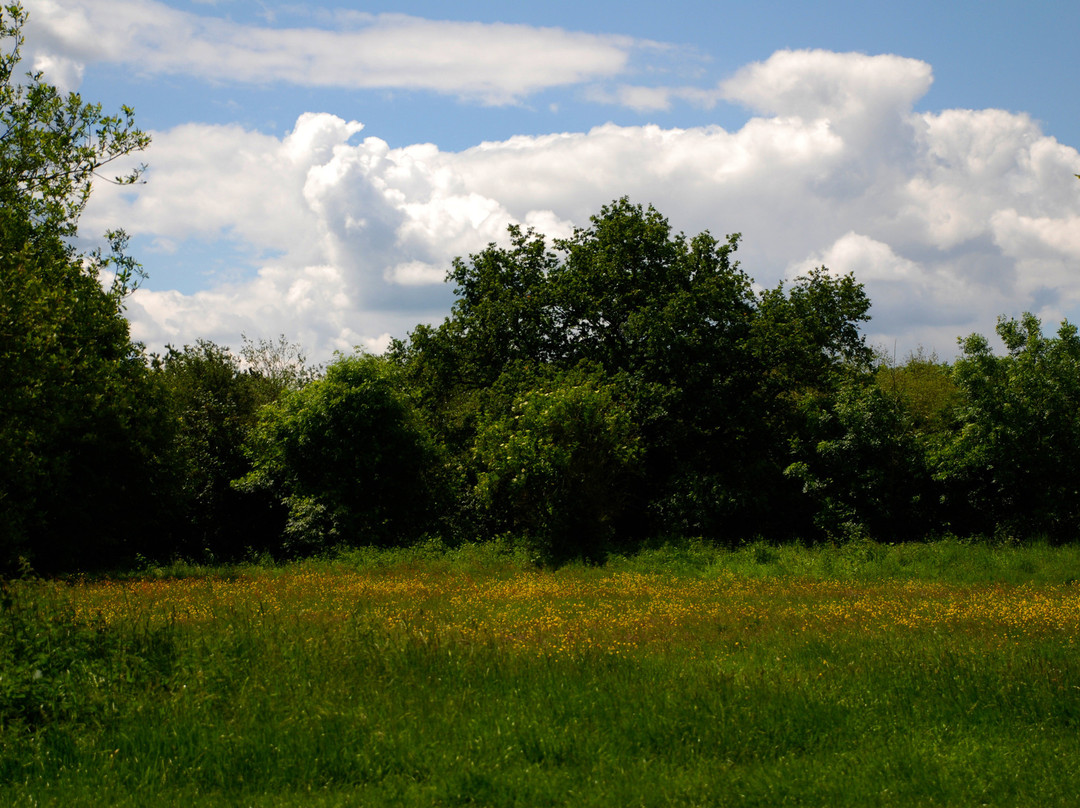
(951, 561)
(786, 693)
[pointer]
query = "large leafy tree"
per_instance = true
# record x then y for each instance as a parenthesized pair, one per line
(670, 316)
(80, 418)
(864, 468)
(804, 347)
(706, 369)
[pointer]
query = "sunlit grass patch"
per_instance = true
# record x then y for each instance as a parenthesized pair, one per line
(545, 612)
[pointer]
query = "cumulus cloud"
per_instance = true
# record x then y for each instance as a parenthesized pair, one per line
(495, 63)
(347, 239)
(950, 218)
(848, 90)
(916, 303)
(844, 87)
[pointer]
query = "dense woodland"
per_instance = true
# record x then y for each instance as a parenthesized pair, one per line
(625, 385)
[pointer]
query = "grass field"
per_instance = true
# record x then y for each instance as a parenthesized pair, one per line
(938, 674)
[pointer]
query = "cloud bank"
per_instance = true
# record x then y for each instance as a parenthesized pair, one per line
(949, 218)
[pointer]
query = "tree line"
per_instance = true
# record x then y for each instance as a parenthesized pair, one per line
(584, 395)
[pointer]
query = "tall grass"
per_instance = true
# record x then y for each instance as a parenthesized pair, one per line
(944, 675)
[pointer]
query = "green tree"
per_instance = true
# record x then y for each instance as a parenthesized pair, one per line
(215, 397)
(1013, 465)
(710, 373)
(52, 147)
(804, 347)
(556, 469)
(808, 335)
(864, 469)
(671, 315)
(82, 424)
(84, 430)
(502, 318)
(925, 388)
(348, 457)
(660, 312)
(631, 295)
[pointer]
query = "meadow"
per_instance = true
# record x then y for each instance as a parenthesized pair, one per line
(924, 674)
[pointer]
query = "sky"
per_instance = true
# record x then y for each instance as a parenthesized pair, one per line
(316, 167)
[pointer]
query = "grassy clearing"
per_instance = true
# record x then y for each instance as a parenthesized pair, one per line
(940, 674)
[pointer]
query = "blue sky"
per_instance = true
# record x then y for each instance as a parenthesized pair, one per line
(927, 147)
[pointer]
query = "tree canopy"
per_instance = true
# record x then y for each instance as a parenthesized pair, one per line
(711, 374)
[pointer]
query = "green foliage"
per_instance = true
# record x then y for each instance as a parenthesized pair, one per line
(925, 388)
(349, 458)
(555, 469)
(710, 375)
(215, 400)
(52, 147)
(84, 428)
(809, 335)
(503, 313)
(864, 468)
(802, 346)
(84, 477)
(670, 315)
(1013, 465)
(632, 296)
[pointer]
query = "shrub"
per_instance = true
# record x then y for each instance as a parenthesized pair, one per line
(555, 468)
(349, 458)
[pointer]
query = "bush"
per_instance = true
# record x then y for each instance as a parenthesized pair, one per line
(349, 458)
(555, 468)
(863, 468)
(1012, 466)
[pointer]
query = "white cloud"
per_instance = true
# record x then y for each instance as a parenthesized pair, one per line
(949, 218)
(638, 98)
(495, 63)
(65, 74)
(416, 273)
(1037, 236)
(843, 87)
(870, 260)
(340, 234)
(913, 303)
